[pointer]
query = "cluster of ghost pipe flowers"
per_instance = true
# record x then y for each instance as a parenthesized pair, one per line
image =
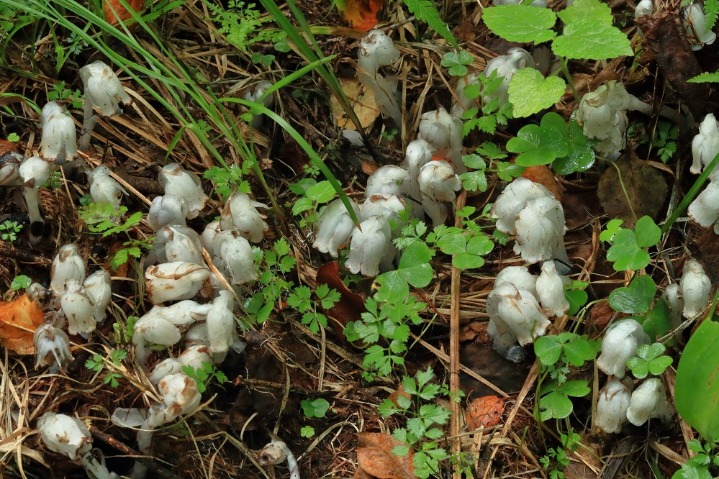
(519, 304)
(530, 212)
(705, 146)
(377, 50)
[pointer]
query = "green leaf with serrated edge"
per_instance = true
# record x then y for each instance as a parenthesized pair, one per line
(322, 192)
(474, 181)
(589, 34)
(635, 298)
(712, 77)
(530, 92)
(548, 349)
(426, 11)
(626, 253)
(507, 172)
(711, 10)
(491, 151)
(521, 23)
(474, 161)
(647, 232)
(479, 245)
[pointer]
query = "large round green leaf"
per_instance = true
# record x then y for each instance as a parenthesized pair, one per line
(696, 390)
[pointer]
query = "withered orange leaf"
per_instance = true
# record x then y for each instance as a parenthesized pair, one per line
(362, 14)
(544, 176)
(114, 9)
(375, 457)
(18, 321)
(485, 411)
(350, 306)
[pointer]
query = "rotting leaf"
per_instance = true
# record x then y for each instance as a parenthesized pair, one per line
(362, 101)
(646, 190)
(114, 9)
(18, 321)
(375, 457)
(485, 411)
(361, 14)
(351, 305)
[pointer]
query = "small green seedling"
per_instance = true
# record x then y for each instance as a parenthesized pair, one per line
(315, 408)
(302, 300)
(204, 375)
(20, 282)
(96, 363)
(650, 359)
(628, 247)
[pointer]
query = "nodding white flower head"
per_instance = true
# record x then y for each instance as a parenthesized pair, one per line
(705, 207)
(165, 368)
(387, 207)
(696, 288)
(178, 182)
(371, 247)
(649, 400)
(153, 329)
(34, 172)
(99, 289)
(59, 138)
(644, 7)
(437, 181)
(695, 24)
(513, 199)
(194, 355)
(103, 89)
(705, 146)
(418, 154)
(233, 256)
(505, 67)
(255, 94)
(334, 227)
(52, 347)
(444, 132)
(104, 188)
(376, 50)
(240, 212)
(672, 297)
(66, 266)
(174, 281)
(78, 308)
(10, 168)
(167, 210)
(620, 343)
(550, 289)
(387, 180)
(540, 229)
(221, 326)
(519, 277)
(514, 316)
(178, 243)
(65, 435)
(612, 406)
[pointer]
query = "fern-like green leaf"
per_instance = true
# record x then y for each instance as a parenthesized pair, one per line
(707, 77)
(426, 12)
(711, 10)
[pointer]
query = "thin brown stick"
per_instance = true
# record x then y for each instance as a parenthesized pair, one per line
(455, 419)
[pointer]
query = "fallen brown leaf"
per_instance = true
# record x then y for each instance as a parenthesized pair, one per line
(350, 306)
(362, 14)
(362, 101)
(18, 321)
(375, 457)
(544, 176)
(485, 411)
(114, 9)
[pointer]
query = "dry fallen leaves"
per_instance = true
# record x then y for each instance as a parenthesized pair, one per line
(350, 306)
(362, 14)
(114, 9)
(18, 321)
(375, 458)
(363, 104)
(543, 175)
(485, 411)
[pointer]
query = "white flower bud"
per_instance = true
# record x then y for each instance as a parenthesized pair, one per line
(34, 172)
(377, 49)
(185, 185)
(182, 313)
(612, 406)
(65, 435)
(540, 229)
(208, 236)
(514, 313)
(178, 243)
(371, 245)
(438, 181)
(59, 139)
(99, 289)
(77, 308)
(174, 281)
(52, 347)
(705, 146)
(695, 24)
(334, 227)
(194, 355)
(153, 329)
(220, 325)
(696, 288)
(103, 89)
(240, 212)
(163, 369)
(444, 132)
(167, 210)
(672, 297)
(66, 266)
(387, 180)
(513, 199)
(705, 207)
(519, 277)
(644, 7)
(10, 168)
(197, 335)
(648, 401)
(620, 343)
(235, 257)
(255, 94)
(387, 207)
(104, 188)
(418, 154)
(179, 395)
(550, 289)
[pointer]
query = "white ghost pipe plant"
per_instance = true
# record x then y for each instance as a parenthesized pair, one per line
(417, 154)
(34, 172)
(696, 288)
(221, 325)
(183, 184)
(178, 243)
(612, 406)
(371, 246)
(705, 207)
(104, 188)
(240, 212)
(519, 277)
(233, 256)
(540, 229)
(66, 266)
(52, 348)
(514, 316)
(78, 309)
(648, 401)
(167, 210)
(387, 207)
(99, 289)
(644, 7)
(513, 199)
(174, 281)
(59, 140)
(277, 452)
(10, 168)
(695, 24)
(438, 185)
(70, 437)
(334, 227)
(103, 94)
(387, 180)
(444, 132)
(255, 95)
(377, 50)
(620, 343)
(705, 146)
(550, 289)
(193, 357)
